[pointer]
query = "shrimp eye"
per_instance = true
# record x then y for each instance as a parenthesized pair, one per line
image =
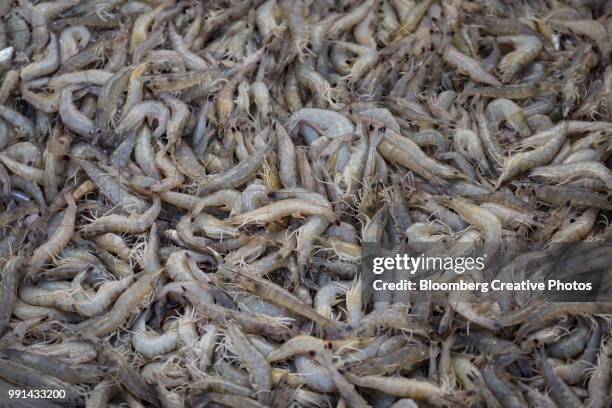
(371, 127)
(312, 353)
(383, 129)
(572, 220)
(568, 203)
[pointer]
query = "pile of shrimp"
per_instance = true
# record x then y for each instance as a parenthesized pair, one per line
(186, 189)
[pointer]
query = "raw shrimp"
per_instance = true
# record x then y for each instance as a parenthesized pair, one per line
(127, 303)
(256, 363)
(57, 241)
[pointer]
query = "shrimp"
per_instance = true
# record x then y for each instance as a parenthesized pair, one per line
(302, 344)
(486, 222)
(19, 30)
(173, 179)
(526, 47)
(577, 228)
(264, 17)
(363, 31)
(286, 149)
(562, 173)
(72, 40)
(308, 233)
(188, 164)
(150, 344)
(257, 365)
(224, 103)
(467, 143)
(72, 374)
(10, 286)
(221, 386)
(110, 188)
(143, 152)
(560, 392)
(191, 59)
(298, 28)
(521, 91)
(468, 66)
(9, 84)
(393, 316)
(494, 378)
(390, 361)
(350, 19)
(523, 162)
(101, 394)
(572, 343)
(128, 377)
(547, 313)
(280, 209)
(577, 197)
(402, 387)
(142, 24)
(150, 110)
(46, 65)
(502, 109)
(333, 124)
(103, 298)
(411, 20)
(589, 28)
(128, 302)
(21, 124)
(57, 241)
(280, 296)
(234, 401)
(23, 376)
(72, 118)
(85, 77)
(237, 175)
(344, 387)
(600, 380)
(110, 94)
(405, 152)
(68, 351)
